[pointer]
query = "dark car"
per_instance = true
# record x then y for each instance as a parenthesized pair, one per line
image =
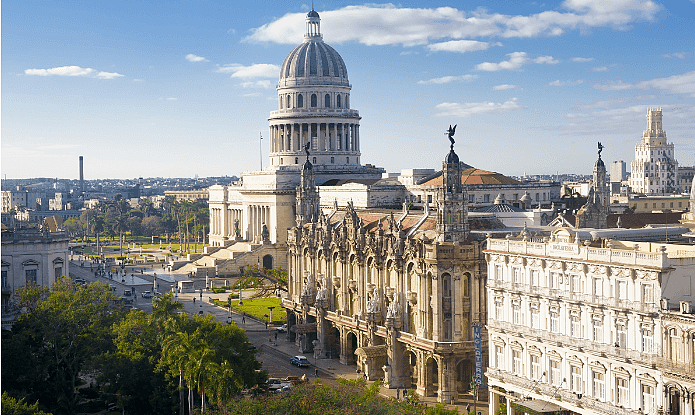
(300, 361)
(80, 281)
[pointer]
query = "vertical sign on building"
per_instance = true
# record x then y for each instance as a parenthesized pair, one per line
(478, 345)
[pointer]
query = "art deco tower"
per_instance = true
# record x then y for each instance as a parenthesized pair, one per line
(655, 169)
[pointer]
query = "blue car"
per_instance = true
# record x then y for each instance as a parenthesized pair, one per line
(300, 361)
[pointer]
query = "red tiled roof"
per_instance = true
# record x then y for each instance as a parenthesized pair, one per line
(476, 176)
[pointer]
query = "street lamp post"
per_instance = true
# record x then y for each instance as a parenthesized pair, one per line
(270, 319)
(241, 302)
(201, 302)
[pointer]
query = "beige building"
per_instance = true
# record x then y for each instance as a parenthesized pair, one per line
(394, 293)
(31, 257)
(655, 169)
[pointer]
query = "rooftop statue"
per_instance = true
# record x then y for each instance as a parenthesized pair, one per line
(600, 149)
(306, 148)
(450, 134)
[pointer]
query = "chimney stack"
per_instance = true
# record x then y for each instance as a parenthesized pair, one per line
(81, 175)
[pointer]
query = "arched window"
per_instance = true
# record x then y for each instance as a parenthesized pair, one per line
(300, 101)
(287, 101)
(337, 101)
(313, 101)
(347, 101)
(314, 160)
(296, 160)
(327, 101)
(280, 102)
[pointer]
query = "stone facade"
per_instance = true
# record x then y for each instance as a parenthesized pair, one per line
(580, 324)
(655, 169)
(395, 294)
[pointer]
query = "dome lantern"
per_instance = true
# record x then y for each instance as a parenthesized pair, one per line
(313, 25)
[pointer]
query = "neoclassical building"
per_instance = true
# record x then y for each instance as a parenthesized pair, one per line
(580, 323)
(313, 107)
(394, 293)
(655, 168)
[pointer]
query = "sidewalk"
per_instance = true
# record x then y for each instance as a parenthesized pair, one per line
(327, 367)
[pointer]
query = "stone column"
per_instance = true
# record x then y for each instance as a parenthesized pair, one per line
(494, 402)
(446, 393)
(436, 306)
(335, 136)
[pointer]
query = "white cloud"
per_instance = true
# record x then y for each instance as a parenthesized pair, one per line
(469, 109)
(676, 84)
(72, 71)
(172, 99)
(108, 75)
(61, 71)
(388, 24)
(548, 60)
(257, 70)
(600, 69)
(57, 146)
(679, 55)
(193, 58)
(257, 84)
(461, 46)
(447, 79)
(516, 61)
(582, 59)
(563, 83)
(504, 87)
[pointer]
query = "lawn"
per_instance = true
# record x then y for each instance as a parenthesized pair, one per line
(258, 307)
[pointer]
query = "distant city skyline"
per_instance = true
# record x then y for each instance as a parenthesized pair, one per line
(178, 90)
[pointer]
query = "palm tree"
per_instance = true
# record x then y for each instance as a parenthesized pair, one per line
(199, 365)
(224, 384)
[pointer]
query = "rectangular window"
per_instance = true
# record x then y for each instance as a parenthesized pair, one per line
(535, 278)
(499, 272)
(598, 284)
(499, 357)
(554, 322)
(575, 327)
(648, 401)
(647, 341)
(30, 277)
(623, 395)
(576, 379)
(622, 290)
(621, 335)
(535, 318)
(517, 315)
(5, 282)
(555, 373)
(599, 390)
(554, 280)
(517, 275)
(648, 293)
(518, 368)
(58, 272)
(598, 330)
(535, 367)
(576, 284)
(498, 311)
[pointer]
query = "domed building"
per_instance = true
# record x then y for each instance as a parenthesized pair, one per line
(314, 109)
(314, 106)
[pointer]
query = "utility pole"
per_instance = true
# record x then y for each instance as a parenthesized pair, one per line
(260, 148)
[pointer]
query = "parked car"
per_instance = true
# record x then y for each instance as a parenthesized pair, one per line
(275, 384)
(300, 361)
(80, 281)
(127, 293)
(282, 329)
(147, 294)
(112, 287)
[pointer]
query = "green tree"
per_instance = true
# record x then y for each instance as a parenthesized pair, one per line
(50, 343)
(11, 406)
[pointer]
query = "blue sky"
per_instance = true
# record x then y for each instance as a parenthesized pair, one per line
(180, 88)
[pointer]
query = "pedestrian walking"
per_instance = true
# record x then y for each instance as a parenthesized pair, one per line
(405, 391)
(468, 408)
(316, 372)
(276, 335)
(243, 319)
(398, 394)
(266, 325)
(193, 300)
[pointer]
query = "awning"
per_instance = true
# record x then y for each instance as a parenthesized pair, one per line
(371, 351)
(303, 328)
(535, 406)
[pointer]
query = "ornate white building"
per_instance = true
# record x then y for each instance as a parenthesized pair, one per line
(655, 169)
(579, 324)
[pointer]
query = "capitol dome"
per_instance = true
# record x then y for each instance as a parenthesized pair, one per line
(313, 61)
(314, 107)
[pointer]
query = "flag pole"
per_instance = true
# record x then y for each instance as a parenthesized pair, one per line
(260, 148)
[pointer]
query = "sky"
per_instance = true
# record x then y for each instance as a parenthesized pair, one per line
(179, 88)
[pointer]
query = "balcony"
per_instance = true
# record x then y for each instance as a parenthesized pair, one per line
(636, 356)
(555, 394)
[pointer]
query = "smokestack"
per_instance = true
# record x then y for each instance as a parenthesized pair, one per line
(81, 175)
